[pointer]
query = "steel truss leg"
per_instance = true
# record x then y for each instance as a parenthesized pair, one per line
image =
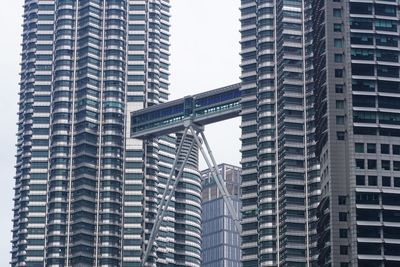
(217, 176)
(195, 130)
(164, 207)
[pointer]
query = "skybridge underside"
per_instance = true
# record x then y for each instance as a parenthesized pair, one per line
(189, 115)
(202, 109)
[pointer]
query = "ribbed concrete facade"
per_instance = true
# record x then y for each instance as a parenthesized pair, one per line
(85, 193)
(356, 48)
(280, 173)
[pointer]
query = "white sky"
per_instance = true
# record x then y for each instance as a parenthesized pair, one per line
(204, 55)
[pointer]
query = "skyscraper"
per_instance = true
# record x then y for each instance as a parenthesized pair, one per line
(280, 173)
(220, 238)
(357, 115)
(85, 193)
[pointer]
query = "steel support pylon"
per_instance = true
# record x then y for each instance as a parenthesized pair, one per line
(196, 131)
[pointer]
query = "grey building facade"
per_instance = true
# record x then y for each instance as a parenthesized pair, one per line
(85, 193)
(356, 61)
(220, 238)
(280, 172)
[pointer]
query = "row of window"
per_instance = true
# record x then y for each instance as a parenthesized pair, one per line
(368, 8)
(372, 198)
(369, 23)
(368, 39)
(372, 148)
(372, 180)
(372, 164)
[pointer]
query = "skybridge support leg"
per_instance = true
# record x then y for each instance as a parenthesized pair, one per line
(217, 176)
(195, 131)
(164, 207)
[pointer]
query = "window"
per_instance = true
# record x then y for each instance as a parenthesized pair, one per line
(386, 25)
(362, 38)
(390, 199)
(339, 104)
(396, 149)
(391, 216)
(388, 71)
(344, 264)
(338, 58)
(367, 198)
(360, 180)
(361, 23)
(385, 165)
(340, 135)
(363, 101)
(339, 88)
(360, 164)
(371, 164)
(368, 215)
(391, 232)
(368, 231)
(363, 85)
(396, 165)
(342, 200)
(360, 8)
(386, 40)
(337, 12)
(338, 73)
(372, 180)
(340, 120)
(342, 216)
(368, 249)
(359, 147)
(385, 149)
(387, 55)
(386, 181)
(343, 250)
(362, 69)
(385, 10)
(338, 43)
(371, 148)
(362, 54)
(396, 181)
(343, 233)
(337, 27)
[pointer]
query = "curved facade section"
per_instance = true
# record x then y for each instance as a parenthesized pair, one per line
(31, 176)
(188, 207)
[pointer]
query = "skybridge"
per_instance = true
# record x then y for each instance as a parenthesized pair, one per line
(188, 115)
(204, 108)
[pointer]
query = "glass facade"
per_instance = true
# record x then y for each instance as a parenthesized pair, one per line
(220, 238)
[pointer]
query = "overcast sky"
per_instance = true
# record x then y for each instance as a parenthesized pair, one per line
(204, 56)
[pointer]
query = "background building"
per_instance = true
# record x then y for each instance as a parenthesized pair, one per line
(356, 60)
(85, 193)
(220, 238)
(280, 172)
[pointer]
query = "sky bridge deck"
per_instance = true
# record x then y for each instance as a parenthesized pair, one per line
(204, 108)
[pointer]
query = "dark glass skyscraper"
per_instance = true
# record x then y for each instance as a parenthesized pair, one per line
(85, 193)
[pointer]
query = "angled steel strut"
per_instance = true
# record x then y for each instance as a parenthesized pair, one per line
(195, 131)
